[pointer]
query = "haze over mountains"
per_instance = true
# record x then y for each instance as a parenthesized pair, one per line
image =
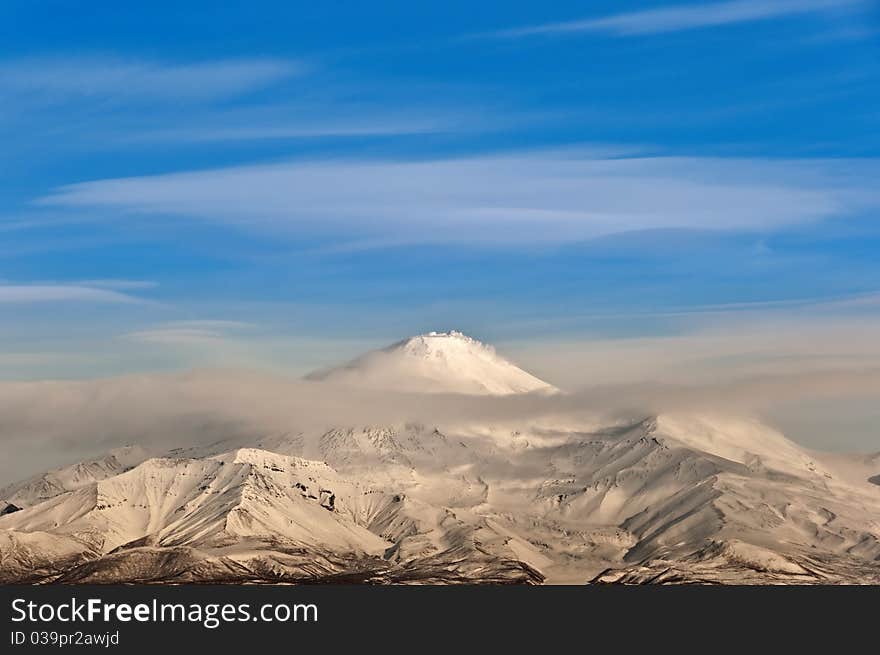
(481, 473)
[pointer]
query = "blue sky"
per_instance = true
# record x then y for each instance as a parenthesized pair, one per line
(283, 184)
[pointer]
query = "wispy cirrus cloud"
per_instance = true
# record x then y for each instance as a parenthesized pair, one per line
(678, 18)
(308, 128)
(177, 336)
(48, 293)
(549, 197)
(189, 333)
(57, 79)
(112, 103)
(117, 284)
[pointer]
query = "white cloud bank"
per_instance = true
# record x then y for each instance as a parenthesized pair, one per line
(543, 197)
(48, 423)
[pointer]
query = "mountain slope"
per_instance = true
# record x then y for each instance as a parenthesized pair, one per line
(670, 498)
(243, 494)
(437, 362)
(69, 478)
(245, 515)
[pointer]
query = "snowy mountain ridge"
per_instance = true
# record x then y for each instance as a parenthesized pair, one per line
(69, 478)
(669, 498)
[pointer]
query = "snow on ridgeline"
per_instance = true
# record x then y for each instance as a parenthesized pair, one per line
(669, 498)
(437, 362)
(666, 498)
(70, 478)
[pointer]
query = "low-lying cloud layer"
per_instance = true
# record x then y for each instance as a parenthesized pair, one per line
(46, 424)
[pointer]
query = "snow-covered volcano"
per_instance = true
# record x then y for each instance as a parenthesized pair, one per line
(292, 481)
(670, 498)
(443, 362)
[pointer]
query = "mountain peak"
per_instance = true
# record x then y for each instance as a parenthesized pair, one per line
(449, 362)
(452, 334)
(439, 343)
